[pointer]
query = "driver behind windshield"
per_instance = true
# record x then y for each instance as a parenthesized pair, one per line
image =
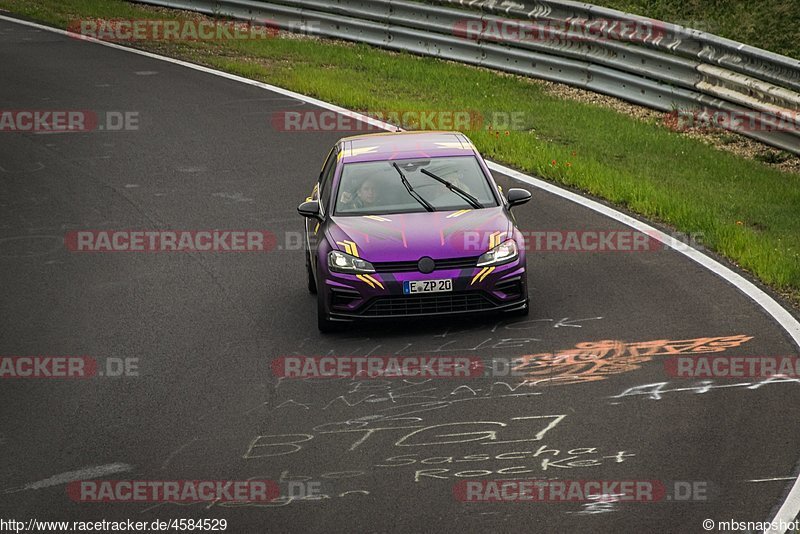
(365, 196)
(456, 178)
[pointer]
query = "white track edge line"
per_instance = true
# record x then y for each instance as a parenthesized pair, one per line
(791, 506)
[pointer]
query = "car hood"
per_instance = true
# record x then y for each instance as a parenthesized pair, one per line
(410, 236)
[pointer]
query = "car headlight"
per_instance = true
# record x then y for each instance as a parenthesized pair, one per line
(502, 253)
(339, 262)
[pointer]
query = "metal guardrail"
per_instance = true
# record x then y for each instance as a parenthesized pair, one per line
(675, 39)
(670, 68)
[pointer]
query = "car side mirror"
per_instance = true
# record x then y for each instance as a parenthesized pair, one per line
(310, 209)
(518, 196)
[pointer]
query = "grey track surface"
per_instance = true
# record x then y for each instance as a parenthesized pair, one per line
(206, 327)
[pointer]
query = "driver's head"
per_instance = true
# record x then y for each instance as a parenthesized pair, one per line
(367, 192)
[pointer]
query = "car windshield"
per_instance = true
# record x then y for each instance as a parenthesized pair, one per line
(377, 187)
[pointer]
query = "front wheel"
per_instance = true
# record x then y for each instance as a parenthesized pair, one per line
(324, 325)
(312, 282)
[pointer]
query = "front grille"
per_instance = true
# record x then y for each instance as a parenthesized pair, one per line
(411, 266)
(425, 304)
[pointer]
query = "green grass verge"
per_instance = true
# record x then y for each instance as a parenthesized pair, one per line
(745, 210)
(769, 24)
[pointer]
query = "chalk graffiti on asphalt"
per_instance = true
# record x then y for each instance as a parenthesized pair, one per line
(597, 360)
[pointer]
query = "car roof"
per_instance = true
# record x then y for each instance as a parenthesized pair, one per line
(404, 145)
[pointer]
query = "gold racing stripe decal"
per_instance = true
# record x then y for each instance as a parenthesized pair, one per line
(456, 214)
(364, 279)
(377, 218)
(475, 279)
(349, 247)
(316, 229)
(492, 238)
(495, 239)
(353, 248)
(346, 245)
(377, 282)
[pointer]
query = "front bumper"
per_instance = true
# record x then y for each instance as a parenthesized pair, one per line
(380, 295)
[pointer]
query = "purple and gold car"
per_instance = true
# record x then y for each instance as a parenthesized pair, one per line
(411, 224)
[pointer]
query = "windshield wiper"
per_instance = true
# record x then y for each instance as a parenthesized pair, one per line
(410, 189)
(472, 201)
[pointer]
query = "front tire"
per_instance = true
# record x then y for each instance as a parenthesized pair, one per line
(324, 325)
(312, 282)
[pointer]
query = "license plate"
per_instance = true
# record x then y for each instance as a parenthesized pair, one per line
(427, 286)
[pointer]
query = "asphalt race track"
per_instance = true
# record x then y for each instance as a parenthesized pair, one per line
(205, 328)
